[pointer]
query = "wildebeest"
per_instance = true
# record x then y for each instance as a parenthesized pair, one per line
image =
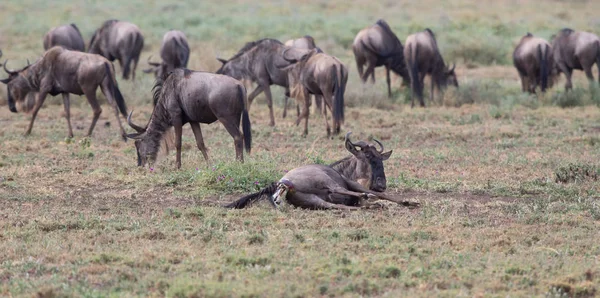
(174, 51)
(66, 36)
(423, 57)
(576, 50)
(194, 97)
(260, 62)
(321, 187)
(308, 43)
(61, 71)
(313, 72)
(376, 46)
(119, 40)
(365, 165)
(533, 59)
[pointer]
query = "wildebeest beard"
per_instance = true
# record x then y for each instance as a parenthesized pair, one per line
(11, 101)
(377, 181)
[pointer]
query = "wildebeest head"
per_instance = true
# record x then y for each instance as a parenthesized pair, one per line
(158, 68)
(449, 77)
(370, 159)
(146, 145)
(232, 67)
(96, 43)
(17, 86)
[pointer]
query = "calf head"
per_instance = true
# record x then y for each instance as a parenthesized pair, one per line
(17, 85)
(370, 161)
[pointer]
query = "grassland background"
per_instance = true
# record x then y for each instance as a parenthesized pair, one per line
(78, 218)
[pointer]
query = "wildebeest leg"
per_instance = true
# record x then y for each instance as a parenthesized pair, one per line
(357, 187)
(104, 87)
(199, 140)
(267, 90)
(67, 104)
(387, 74)
(326, 122)
(370, 71)
(305, 111)
(135, 63)
(431, 92)
(90, 94)
(588, 73)
(233, 128)
(253, 94)
(422, 84)
(312, 201)
(328, 98)
(318, 104)
(36, 109)
(568, 73)
(177, 125)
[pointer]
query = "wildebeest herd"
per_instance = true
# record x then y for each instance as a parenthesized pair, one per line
(185, 96)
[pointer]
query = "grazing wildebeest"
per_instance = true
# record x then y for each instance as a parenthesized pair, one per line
(61, 71)
(376, 46)
(576, 50)
(308, 43)
(174, 51)
(322, 187)
(422, 58)
(533, 59)
(313, 72)
(194, 97)
(260, 62)
(66, 36)
(119, 40)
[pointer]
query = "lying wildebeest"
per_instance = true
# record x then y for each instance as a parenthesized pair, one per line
(258, 61)
(576, 50)
(313, 72)
(65, 72)
(324, 187)
(174, 51)
(422, 58)
(533, 59)
(66, 36)
(376, 46)
(308, 43)
(194, 97)
(119, 40)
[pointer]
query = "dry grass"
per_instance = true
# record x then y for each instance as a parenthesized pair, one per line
(510, 202)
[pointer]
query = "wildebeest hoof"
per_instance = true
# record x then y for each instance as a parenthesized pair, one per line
(107, 124)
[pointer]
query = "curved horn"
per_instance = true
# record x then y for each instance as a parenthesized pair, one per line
(380, 145)
(137, 128)
(0, 53)
(288, 60)
(8, 71)
(152, 63)
(347, 138)
(28, 63)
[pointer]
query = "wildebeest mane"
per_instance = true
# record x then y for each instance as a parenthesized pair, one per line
(250, 45)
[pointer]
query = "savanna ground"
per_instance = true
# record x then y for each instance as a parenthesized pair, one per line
(508, 182)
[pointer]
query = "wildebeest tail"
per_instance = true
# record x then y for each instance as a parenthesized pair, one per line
(415, 83)
(114, 90)
(338, 93)
(246, 129)
(245, 201)
(544, 67)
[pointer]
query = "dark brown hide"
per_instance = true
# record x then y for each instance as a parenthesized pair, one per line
(533, 59)
(193, 97)
(65, 72)
(576, 50)
(317, 73)
(377, 45)
(174, 51)
(259, 62)
(423, 58)
(66, 36)
(119, 40)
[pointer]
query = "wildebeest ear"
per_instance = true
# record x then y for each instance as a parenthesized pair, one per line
(149, 70)
(385, 156)
(222, 60)
(5, 81)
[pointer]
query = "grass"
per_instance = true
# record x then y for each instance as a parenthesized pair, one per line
(507, 181)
